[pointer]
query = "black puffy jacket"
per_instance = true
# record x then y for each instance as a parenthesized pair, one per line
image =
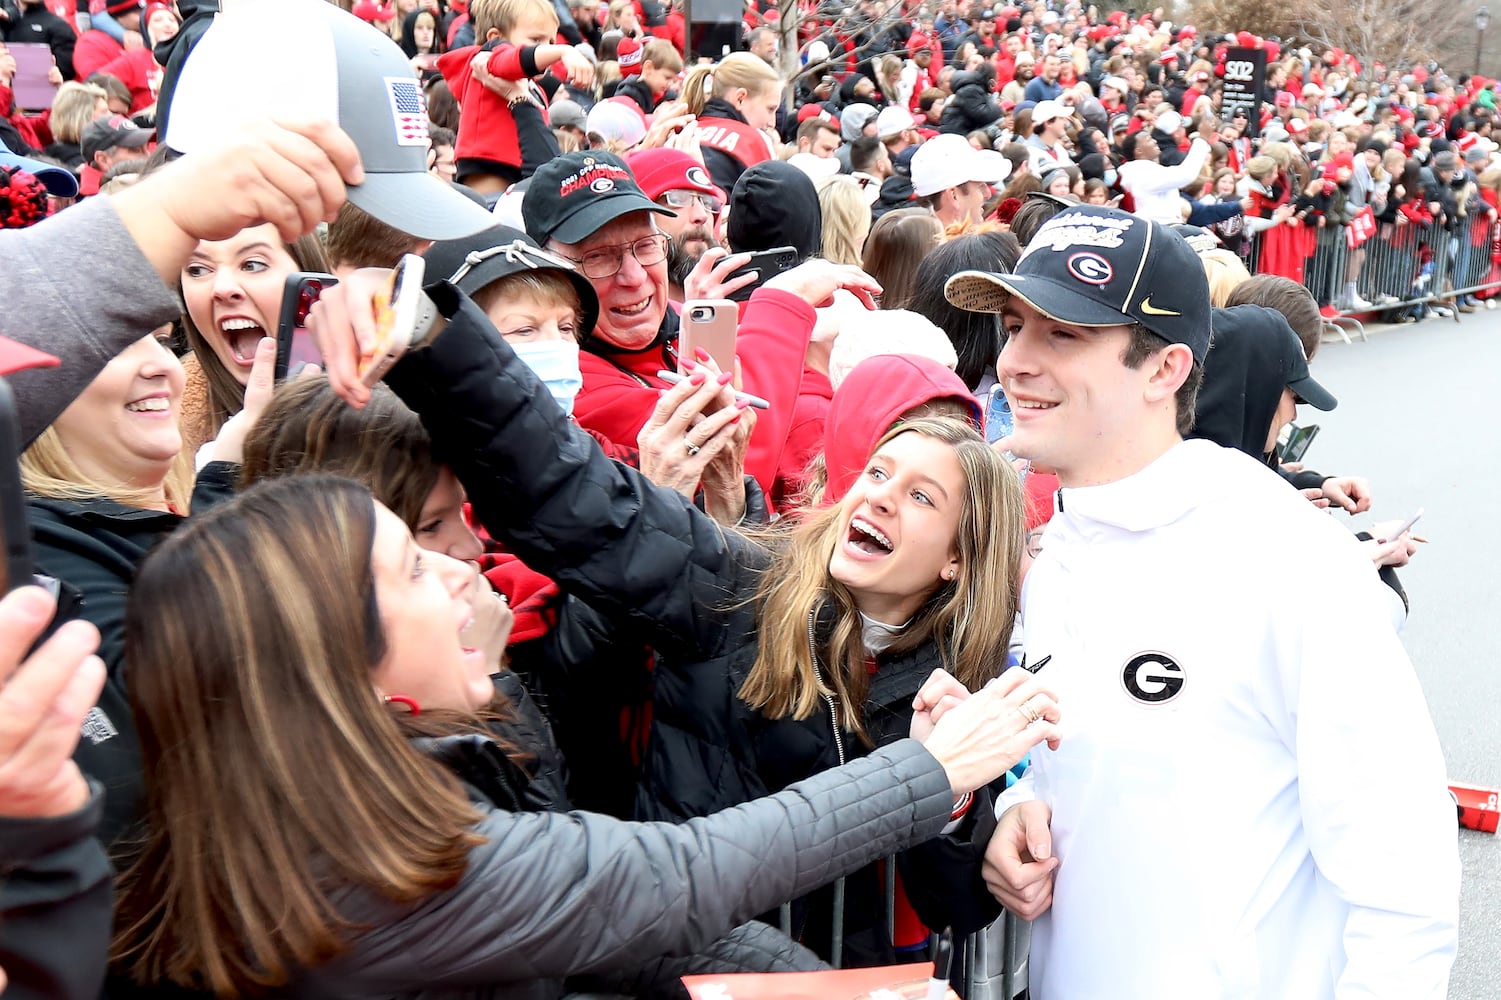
(92, 548)
(972, 107)
(648, 560)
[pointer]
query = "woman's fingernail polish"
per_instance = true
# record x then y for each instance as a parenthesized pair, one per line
(741, 404)
(724, 378)
(697, 379)
(701, 354)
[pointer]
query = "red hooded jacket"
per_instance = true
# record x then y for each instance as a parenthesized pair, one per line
(873, 397)
(621, 389)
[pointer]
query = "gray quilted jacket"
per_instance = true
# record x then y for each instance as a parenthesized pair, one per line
(551, 895)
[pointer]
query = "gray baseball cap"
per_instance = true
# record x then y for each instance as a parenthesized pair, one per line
(333, 66)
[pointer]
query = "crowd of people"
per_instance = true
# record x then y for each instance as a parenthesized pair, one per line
(581, 643)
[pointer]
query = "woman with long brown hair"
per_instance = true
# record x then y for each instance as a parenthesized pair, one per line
(372, 841)
(778, 658)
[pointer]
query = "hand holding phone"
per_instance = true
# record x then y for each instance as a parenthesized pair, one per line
(709, 324)
(404, 316)
(294, 344)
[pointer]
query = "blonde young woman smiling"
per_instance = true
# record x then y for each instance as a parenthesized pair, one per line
(106, 482)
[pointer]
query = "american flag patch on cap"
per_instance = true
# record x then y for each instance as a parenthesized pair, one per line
(408, 110)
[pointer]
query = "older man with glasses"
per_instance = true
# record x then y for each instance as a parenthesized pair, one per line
(588, 208)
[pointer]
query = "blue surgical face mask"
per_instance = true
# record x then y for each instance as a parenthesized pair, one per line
(556, 363)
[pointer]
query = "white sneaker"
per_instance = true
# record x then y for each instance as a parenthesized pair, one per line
(1443, 312)
(1490, 303)
(1358, 304)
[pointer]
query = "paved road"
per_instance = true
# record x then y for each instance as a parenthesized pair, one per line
(1419, 412)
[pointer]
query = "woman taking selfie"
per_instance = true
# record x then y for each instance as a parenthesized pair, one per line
(777, 661)
(232, 290)
(399, 864)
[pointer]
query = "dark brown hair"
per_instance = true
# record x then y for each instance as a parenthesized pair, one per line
(309, 428)
(252, 632)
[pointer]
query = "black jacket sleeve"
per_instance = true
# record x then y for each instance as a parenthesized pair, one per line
(55, 900)
(636, 552)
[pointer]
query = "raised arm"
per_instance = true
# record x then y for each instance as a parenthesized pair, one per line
(543, 486)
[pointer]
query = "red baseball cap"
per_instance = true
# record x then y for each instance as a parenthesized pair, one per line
(662, 169)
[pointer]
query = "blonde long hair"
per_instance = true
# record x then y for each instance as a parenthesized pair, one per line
(734, 71)
(969, 618)
(47, 470)
(846, 219)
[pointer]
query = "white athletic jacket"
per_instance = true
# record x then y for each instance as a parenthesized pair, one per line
(1249, 800)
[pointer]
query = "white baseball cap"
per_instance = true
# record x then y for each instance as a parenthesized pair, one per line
(334, 66)
(1046, 111)
(947, 161)
(1168, 122)
(893, 121)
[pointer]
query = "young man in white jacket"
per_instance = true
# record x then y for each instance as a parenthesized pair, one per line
(1250, 800)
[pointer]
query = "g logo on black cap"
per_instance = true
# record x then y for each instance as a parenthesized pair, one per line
(602, 185)
(1090, 268)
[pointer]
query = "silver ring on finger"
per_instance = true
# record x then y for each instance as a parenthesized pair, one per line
(693, 449)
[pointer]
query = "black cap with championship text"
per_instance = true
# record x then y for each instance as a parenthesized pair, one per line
(1098, 266)
(573, 196)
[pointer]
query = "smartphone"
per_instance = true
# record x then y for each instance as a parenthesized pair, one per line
(710, 324)
(17, 567)
(766, 264)
(1298, 440)
(1405, 528)
(294, 345)
(403, 317)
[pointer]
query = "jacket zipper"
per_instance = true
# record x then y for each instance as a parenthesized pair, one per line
(827, 697)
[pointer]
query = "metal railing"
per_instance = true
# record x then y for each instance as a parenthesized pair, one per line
(1394, 270)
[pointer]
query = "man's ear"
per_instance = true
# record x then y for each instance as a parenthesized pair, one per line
(1169, 369)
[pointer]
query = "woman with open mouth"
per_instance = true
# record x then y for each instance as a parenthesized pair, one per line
(232, 290)
(779, 657)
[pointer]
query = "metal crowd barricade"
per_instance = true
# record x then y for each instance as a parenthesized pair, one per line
(992, 965)
(1402, 270)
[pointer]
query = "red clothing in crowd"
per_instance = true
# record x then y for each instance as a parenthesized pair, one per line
(621, 389)
(138, 70)
(94, 51)
(487, 129)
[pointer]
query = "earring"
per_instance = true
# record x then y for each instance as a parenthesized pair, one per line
(400, 699)
(948, 574)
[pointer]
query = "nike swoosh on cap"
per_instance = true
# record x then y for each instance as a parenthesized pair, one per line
(1151, 310)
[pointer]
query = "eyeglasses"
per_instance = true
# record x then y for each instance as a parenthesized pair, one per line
(605, 262)
(684, 199)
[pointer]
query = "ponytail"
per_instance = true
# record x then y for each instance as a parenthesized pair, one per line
(698, 88)
(737, 70)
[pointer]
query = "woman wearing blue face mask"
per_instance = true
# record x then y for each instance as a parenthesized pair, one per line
(542, 305)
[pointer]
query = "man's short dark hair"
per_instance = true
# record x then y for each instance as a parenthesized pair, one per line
(1144, 345)
(864, 152)
(809, 129)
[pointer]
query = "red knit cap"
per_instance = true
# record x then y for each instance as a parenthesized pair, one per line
(628, 54)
